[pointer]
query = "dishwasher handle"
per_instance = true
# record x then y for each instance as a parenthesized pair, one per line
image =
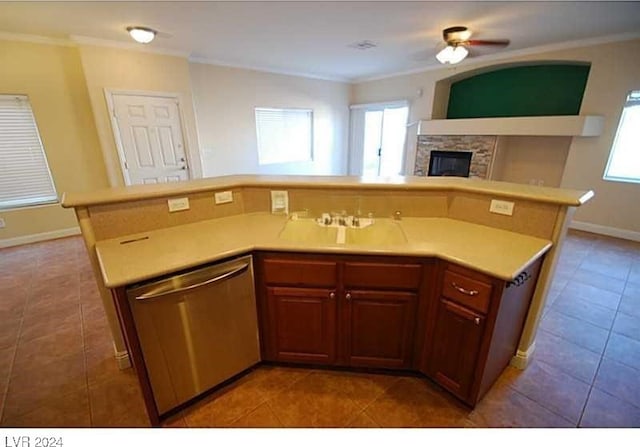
(226, 275)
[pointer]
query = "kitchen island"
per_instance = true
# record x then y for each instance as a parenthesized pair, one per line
(449, 232)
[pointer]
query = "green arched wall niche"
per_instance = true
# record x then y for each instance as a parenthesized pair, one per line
(531, 90)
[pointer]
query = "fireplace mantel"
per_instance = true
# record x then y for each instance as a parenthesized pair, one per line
(571, 126)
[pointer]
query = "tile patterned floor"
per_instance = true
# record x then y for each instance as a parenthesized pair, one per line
(57, 367)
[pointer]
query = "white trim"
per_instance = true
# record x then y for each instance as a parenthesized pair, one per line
(122, 359)
(32, 38)
(522, 358)
(38, 237)
(209, 61)
(507, 55)
(108, 94)
(143, 48)
(606, 230)
(382, 105)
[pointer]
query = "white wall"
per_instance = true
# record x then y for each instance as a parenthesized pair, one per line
(615, 70)
(225, 99)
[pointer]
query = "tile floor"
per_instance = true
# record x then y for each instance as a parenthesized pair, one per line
(57, 367)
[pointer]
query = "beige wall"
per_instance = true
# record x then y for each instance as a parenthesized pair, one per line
(225, 99)
(52, 77)
(533, 160)
(614, 71)
(119, 69)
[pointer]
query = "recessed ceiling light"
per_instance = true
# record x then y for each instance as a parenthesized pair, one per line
(363, 45)
(141, 34)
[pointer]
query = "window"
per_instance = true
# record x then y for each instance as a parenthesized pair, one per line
(284, 135)
(624, 159)
(24, 173)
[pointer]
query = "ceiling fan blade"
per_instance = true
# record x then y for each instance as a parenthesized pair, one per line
(494, 42)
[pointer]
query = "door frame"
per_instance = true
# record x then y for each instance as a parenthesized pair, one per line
(115, 129)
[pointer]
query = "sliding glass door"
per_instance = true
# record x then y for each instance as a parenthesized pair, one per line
(378, 138)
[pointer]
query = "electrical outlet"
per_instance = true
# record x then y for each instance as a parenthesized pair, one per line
(2, 224)
(223, 197)
(501, 207)
(180, 204)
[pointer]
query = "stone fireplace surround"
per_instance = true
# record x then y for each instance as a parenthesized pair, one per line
(482, 147)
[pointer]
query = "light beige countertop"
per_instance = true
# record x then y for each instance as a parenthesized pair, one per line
(568, 197)
(499, 253)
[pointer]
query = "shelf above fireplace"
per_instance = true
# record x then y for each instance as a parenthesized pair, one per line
(571, 126)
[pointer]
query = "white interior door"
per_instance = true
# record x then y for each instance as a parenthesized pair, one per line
(149, 132)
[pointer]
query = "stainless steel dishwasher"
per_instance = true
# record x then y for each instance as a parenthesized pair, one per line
(196, 329)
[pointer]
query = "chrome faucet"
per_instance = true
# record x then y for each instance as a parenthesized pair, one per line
(397, 215)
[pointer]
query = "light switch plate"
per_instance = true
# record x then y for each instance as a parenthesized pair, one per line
(501, 207)
(223, 197)
(180, 204)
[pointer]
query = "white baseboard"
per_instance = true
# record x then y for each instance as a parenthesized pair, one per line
(21, 240)
(605, 230)
(122, 358)
(522, 358)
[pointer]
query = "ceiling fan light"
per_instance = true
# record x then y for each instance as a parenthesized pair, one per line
(444, 56)
(458, 54)
(141, 34)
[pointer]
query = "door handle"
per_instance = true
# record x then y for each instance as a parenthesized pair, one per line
(221, 277)
(348, 296)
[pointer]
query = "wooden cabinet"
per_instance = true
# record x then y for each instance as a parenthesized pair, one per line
(299, 305)
(456, 344)
(473, 329)
(302, 324)
(457, 326)
(364, 314)
(379, 328)
(379, 309)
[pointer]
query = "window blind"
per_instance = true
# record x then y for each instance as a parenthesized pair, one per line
(25, 178)
(284, 135)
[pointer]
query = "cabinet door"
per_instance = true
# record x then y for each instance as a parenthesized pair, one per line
(379, 328)
(302, 325)
(456, 342)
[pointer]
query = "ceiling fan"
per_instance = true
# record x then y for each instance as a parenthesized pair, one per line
(458, 38)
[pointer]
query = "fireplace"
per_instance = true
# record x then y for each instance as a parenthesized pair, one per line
(450, 163)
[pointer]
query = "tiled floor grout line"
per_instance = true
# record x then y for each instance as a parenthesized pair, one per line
(542, 405)
(17, 342)
(604, 350)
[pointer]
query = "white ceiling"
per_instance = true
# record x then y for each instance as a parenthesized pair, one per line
(313, 38)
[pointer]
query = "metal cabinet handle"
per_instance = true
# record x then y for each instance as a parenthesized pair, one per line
(477, 320)
(348, 296)
(332, 295)
(463, 290)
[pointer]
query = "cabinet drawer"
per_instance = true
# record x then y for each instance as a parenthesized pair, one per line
(300, 272)
(466, 291)
(381, 275)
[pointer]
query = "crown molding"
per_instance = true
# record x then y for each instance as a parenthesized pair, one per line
(510, 55)
(144, 48)
(32, 38)
(209, 61)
